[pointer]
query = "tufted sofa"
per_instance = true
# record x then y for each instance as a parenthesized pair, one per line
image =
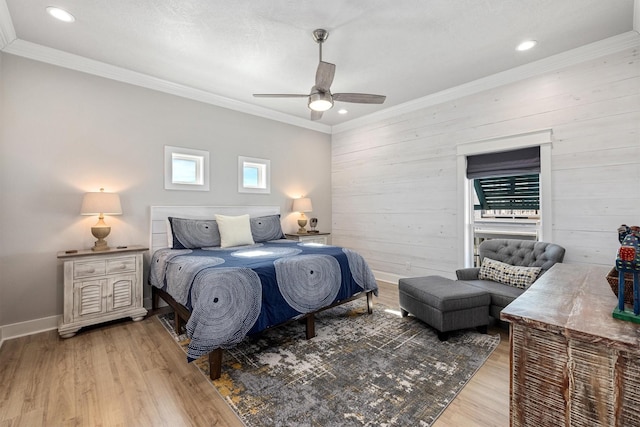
(525, 253)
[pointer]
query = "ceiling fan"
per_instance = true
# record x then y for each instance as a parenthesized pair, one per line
(321, 99)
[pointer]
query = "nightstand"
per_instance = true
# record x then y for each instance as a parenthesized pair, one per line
(309, 237)
(101, 286)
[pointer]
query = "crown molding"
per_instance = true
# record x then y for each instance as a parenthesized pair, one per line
(630, 39)
(78, 63)
(7, 32)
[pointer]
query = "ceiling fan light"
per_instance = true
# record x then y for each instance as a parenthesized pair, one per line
(320, 101)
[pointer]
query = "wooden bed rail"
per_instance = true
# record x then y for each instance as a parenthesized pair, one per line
(181, 314)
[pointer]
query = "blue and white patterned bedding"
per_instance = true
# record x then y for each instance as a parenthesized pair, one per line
(233, 292)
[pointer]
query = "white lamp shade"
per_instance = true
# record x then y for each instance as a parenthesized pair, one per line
(302, 204)
(97, 203)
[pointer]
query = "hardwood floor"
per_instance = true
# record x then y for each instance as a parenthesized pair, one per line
(132, 374)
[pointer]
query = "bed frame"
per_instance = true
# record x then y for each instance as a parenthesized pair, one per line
(159, 239)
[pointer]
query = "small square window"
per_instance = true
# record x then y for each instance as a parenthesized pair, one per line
(186, 169)
(254, 175)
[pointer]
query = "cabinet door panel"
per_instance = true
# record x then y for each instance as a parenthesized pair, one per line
(122, 292)
(90, 297)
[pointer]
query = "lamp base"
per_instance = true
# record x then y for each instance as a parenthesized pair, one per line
(100, 246)
(100, 233)
(301, 224)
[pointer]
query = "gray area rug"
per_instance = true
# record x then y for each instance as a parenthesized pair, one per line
(359, 370)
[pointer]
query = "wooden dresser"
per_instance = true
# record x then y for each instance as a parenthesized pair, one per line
(572, 364)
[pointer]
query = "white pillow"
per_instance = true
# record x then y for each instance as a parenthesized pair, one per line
(234, 230)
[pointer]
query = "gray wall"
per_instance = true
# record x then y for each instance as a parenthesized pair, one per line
(64, 133)
(394, 181)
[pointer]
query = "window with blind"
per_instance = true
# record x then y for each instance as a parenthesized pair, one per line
(506, 186)
(507, 183)
(506, 168)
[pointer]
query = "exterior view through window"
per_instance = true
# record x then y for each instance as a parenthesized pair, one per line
(506, 207)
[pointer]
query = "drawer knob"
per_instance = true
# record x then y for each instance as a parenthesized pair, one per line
(91, 270)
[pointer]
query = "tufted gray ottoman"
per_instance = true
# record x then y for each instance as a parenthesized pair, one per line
(444, 304)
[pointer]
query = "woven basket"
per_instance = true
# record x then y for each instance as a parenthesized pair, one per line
(612, 278)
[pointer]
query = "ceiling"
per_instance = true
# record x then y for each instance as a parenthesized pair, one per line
(223, 51)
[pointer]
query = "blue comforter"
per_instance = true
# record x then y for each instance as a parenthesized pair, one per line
(233, 292)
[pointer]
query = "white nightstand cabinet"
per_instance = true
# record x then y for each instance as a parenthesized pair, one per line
(101, 286)
(310, 237)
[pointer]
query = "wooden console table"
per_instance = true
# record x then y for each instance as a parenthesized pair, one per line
(572, 364)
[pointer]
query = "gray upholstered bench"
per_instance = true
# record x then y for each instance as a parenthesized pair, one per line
(444, 304)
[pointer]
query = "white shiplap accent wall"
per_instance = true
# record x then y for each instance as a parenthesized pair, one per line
(394, 181)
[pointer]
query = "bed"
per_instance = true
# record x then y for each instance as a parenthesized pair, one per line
(228, 272)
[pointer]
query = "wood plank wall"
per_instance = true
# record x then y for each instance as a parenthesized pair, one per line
(394, 182)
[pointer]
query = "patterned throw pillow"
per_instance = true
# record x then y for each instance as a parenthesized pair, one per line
(194, 233)
(266, 228)
(512, 275)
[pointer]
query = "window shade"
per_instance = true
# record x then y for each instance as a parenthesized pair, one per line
(505, 163)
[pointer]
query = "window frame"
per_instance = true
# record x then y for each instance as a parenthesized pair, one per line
(541, 138)
(202, 173)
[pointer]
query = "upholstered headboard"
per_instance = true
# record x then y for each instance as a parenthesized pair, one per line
(158, 237)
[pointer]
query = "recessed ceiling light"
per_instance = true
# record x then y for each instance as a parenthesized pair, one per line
(526, 45)
(60, 14)
(342, 111)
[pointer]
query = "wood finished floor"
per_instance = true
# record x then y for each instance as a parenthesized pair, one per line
(132, 374)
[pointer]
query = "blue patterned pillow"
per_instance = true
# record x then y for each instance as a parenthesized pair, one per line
(507, 274)
(194, 233)
(266, 228)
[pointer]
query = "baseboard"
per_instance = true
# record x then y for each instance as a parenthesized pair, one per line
(395, 278)
(387, 277)
(29, 327)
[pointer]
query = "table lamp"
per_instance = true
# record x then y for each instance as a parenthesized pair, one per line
(302, 205)
(101, 203)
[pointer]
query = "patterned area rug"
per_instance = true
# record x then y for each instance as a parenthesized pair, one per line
(359, 370)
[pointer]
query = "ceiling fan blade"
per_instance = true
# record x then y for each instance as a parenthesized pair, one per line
(361, 98)
(324, 76)
(280, 95)
(316, 115)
